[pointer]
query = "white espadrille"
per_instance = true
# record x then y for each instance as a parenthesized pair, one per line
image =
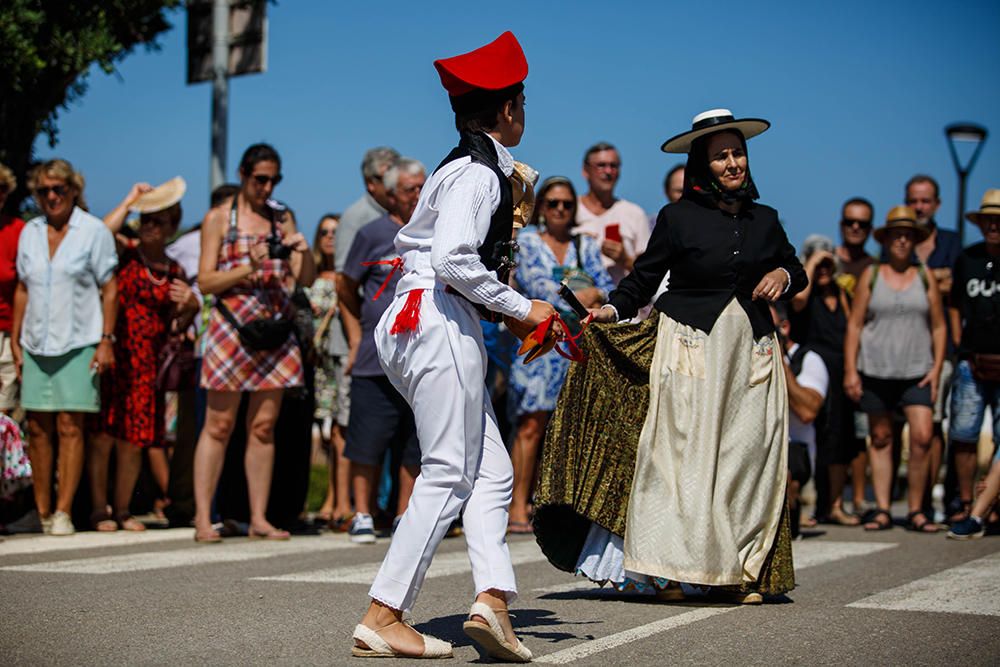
(379, 648)
(490, 635)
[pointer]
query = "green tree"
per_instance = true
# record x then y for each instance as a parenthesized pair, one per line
(47, 48)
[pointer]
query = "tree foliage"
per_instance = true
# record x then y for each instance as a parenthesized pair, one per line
(47, 48)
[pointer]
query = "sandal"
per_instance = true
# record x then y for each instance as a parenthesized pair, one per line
(341, 524)
(101, 521)
(872, 522)
(210, 537)
(490, 636)
(273, 534)
(520, 528)
(925, 526)
(369, 644)
(128, 522)
(840, 517)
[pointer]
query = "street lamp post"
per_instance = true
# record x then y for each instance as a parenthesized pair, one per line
(968, 133)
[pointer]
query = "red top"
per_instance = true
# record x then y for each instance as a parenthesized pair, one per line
(10, 234)
(499, 64)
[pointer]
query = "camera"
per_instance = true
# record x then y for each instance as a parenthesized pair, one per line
(275, 248)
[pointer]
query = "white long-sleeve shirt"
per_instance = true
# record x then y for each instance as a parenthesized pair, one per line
(439, 245)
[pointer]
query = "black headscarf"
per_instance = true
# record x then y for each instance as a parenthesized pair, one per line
(701, 185)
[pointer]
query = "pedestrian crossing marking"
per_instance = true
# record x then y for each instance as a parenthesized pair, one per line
(208, 554)
(443, 565)
(40, 544)
(971, 588)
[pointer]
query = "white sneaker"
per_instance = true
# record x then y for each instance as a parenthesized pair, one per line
(362, 529)
(46, 524)
(61, 524)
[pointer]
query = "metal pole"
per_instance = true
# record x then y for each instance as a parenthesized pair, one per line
(962, 175)
(220, 90)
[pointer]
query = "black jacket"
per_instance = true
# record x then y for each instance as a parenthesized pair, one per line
(712, 256)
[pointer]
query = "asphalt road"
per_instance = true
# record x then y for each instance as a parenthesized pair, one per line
(159, 599)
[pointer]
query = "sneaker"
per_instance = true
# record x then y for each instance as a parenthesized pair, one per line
(46, 524)
(967, 529)
(362, 529)
(61, 524)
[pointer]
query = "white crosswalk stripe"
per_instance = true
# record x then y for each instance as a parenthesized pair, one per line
(92, 540)
(444, 565)
(201, 555)
(971, 588)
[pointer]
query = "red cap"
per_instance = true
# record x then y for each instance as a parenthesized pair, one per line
(499, 64)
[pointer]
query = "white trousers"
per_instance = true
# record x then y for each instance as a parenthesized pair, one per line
(440, 369)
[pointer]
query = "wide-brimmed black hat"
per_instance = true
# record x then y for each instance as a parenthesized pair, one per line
(711, 121)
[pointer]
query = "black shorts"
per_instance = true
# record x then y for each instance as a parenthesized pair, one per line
(836, 441)
(880, 396)
(799, 466)
(380, 420)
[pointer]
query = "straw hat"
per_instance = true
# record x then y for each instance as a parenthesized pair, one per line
(902, 217)
(161, 197)
(711, 121)
(989, 208)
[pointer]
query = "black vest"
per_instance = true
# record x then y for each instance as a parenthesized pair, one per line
(497, 250)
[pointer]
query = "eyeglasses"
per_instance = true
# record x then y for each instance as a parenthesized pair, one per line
(553, 204)
(57, 190)
(332, 231)
(862, 224)
(613, 166)
(264, 179)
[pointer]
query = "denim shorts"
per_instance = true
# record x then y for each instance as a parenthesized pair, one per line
(969, 399)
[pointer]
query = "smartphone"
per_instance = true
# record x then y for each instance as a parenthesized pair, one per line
(613, 232)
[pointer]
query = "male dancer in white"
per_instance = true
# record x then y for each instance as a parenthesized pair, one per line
(430, 344)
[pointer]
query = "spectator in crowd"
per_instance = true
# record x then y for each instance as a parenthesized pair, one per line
(620, 226)
(332, 398)
(370, 206)
(65, 307)
(673, 184)
(818, 321)
(10, 233)
(549, 254)
(386, 422)
(893, 349)
(154, 299)
(808, 380)
(856, 216)
(938, 253)
(247, 253)
(186, 251)
(975, 316)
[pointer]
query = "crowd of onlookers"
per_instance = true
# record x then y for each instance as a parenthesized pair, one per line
(213, 361)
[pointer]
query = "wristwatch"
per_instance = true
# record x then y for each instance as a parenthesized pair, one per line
(109, 337)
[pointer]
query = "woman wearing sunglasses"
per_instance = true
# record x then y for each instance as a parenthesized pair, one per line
(893, 354)
(247, 254)
(549, 254)
(698, 394)
(65, 306)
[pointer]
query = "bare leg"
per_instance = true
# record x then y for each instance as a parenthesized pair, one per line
(859, 478)
(920, 418)
(98, 458)
(880, 456)
(935, 456)
(991, 487)
(40, 428)
(70, 428)
(159, 465)
(210, 453)
(341, 471)
(838, 478)
(363, 477)
(129, 460)
(388, 623)
(262, 414)
(497, 601)
(325, 511)
(524, 456)
(407, 478)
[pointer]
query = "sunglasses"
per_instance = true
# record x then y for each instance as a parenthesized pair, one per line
(264, 179)
(328, 232)
(564, 204)
(57, 190)
(861, 224)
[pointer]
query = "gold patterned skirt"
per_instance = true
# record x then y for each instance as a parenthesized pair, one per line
(588, 463)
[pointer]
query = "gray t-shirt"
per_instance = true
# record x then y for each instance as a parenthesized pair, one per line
(373, 243)
(357, 215)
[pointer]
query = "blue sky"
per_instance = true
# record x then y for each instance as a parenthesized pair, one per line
(858, 94)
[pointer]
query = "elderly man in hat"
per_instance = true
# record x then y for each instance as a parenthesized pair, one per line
(975, 316)
(455, 254)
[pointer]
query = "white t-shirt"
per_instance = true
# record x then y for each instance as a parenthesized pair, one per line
(632, 224)
(812, 376)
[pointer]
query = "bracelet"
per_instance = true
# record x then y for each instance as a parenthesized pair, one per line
(110, 337)
(788, 285)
